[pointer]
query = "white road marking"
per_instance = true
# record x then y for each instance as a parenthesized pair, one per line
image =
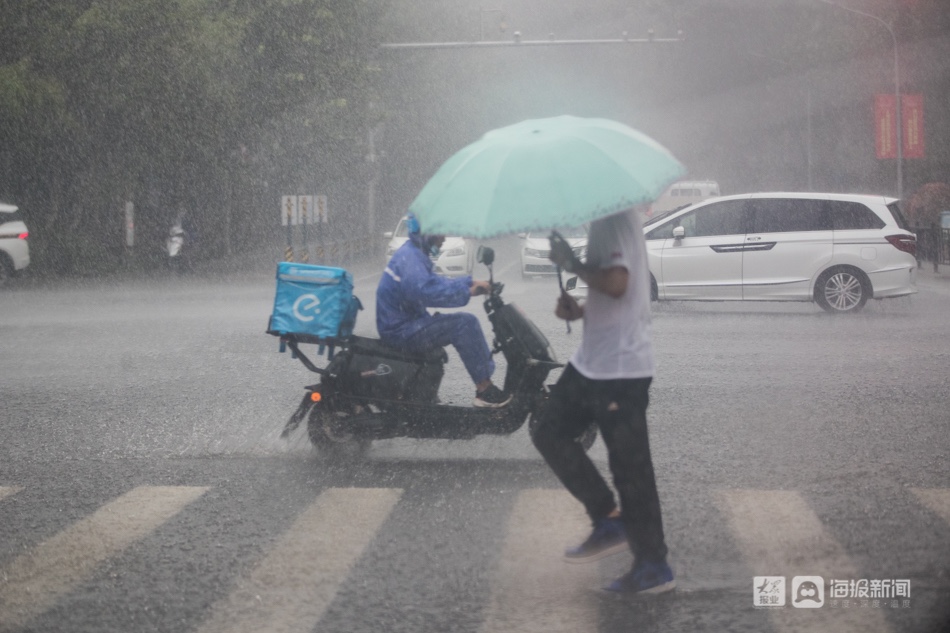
(780, 535)
(533, 589)
(6, 491)
(937, 499)
(291, 588)
(33, 582)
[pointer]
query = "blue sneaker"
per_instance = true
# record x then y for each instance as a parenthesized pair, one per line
(644, 579)
(607, 538)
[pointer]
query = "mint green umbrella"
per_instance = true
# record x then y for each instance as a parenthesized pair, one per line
(541, 174)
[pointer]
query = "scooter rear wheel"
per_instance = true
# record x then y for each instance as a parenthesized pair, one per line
(328, 434)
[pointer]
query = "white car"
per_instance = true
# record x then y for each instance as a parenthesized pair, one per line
(456, 257)
(14, 247)
(535, 248)
(838, 250)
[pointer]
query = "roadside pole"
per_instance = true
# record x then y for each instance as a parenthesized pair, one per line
(129, 230)
(306, 218)
(288, 218)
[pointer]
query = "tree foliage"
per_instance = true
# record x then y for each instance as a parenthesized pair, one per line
(174, 105)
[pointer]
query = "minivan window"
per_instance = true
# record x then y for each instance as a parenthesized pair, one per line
(852, 215)
(718, 218)
(895, 210)
(780, 215)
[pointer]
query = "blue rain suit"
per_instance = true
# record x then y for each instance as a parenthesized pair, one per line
(409, 286)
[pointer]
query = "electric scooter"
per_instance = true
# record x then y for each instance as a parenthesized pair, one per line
(371, 391)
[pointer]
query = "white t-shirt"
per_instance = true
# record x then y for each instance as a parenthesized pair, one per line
(616, 341)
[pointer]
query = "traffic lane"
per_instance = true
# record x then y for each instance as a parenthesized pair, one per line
(804, 392)
(162, 366)
(186, 369)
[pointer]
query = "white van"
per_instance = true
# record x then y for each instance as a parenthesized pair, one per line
(837, 250)
(684, 193)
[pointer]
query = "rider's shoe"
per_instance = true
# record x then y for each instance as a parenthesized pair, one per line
(607, 538)
(492, 398)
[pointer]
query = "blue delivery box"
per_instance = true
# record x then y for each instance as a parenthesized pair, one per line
(316, 301)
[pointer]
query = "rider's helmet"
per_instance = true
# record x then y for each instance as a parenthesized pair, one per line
(428, 243)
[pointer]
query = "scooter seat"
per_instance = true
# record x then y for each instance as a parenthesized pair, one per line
(375, 347)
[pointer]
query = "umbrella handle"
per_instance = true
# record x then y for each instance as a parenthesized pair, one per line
(560, 283)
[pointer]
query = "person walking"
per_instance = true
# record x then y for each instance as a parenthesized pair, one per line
(607, 383)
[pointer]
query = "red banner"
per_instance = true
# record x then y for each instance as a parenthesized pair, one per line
(912, 120)
(885, 128)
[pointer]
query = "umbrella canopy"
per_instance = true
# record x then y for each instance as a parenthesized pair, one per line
(544, 173)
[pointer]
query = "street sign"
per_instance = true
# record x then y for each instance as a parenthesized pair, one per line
(322, 211)
(289, 211)
(912, 118)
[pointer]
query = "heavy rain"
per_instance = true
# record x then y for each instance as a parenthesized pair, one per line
(161, 159)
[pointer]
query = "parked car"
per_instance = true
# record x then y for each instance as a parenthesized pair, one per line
(14, 245)
(535, 248)
(456, 257)
(838, 250)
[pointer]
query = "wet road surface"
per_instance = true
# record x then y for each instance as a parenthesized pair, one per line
(144, 485)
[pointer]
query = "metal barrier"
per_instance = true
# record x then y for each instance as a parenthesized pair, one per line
(933, 245)
(336, 252)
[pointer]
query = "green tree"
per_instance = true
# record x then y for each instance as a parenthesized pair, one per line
(162, 102)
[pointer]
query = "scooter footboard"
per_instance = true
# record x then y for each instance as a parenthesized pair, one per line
(382, 419)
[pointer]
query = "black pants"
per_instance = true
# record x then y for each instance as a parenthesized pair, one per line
(618, 407)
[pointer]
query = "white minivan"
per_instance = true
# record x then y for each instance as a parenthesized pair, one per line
(838, 250)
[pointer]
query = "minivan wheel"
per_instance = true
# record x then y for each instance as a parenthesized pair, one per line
(842, 290)
(654, 291)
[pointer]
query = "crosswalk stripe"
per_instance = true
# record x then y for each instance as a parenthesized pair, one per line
(937, 499)
(293, 585)
(6, 491)
(33, 582)
(533, 589)
(782, 536)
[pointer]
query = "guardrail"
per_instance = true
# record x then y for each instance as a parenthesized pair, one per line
(336, 252)
(933, 245)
